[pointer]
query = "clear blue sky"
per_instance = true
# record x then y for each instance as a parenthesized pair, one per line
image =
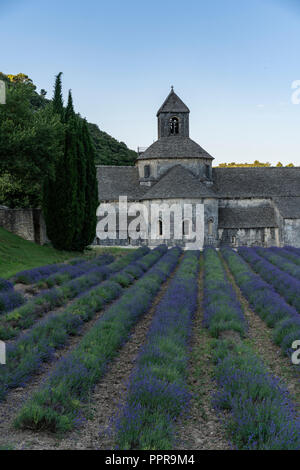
(232, 62)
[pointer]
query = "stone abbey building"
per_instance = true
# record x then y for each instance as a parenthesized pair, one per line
(241, 206)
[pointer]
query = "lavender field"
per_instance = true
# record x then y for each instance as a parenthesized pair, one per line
(156, 350)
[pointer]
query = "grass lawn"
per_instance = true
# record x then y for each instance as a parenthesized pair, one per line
(17, 254)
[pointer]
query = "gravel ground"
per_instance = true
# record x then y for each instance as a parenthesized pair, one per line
(260, 338)
(104, 404)
(201, 429)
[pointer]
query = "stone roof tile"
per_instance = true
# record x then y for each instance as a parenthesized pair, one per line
(248, 217)
(115, 181)
(173, 104)
(257, 182)
(178, 182)
(174, 147)
(289, 207)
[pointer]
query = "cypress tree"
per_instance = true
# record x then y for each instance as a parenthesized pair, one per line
(71, 198)
(66, 184)
(69, 112)
(91, 193)
(49, 190)
(78, 242)
(57, 101)
(60, 195)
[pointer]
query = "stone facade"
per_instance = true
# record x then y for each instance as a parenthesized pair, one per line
(201, 168)
(27, 223)
(242, 206)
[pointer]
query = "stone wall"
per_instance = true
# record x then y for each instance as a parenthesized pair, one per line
(291, 232)
(287, 231)
(256, 236)
(164, 124)
(207, 230)
(27, 223)
(159, 166)
(249, 237)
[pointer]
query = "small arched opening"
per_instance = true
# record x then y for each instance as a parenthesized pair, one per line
(160, 228)
(174, 125)
(146, 171)
(207, 171)
(210, 226)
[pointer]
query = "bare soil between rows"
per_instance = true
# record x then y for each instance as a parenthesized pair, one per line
(104, 403)
(260, 338)
(201, 428)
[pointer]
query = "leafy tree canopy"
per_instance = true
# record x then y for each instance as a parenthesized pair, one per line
(256, 163)
(30, 135)
(110, 151)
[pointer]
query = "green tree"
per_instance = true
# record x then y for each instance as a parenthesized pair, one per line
(91, 191)
(58, 105)
(80, 169)
(60, 191)
(109, 151)
(71, 197)
(29, 145)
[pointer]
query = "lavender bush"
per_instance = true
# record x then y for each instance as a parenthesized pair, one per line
(25, 357)
(263, 299)
(292, 249)
(280, 261)
(287, 286)
(157, 391)
(31, 276)
(24, 317)
(222, 311)
(287, 254)
(9, 300)
(5, 285)
(50, 275)
(262, 416)
(57, 404)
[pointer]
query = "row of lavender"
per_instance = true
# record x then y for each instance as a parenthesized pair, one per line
(261, 412)
(289, 253)
(282, 282)
(25, 316)
(9, 298)
(157, 390)
(5, 285)
(38, 345)
(59, 404)
(41, 273)
(277, 257)
(48, 276)
(57, 274)
(262, 295)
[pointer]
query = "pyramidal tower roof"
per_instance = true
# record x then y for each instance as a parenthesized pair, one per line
(173, 104)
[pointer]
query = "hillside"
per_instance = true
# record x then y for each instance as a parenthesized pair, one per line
(109, 150)
(17, 254)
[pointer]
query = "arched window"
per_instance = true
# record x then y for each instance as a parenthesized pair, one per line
(160, 227)
(174, 125)
(210, 227)
(146, 171)
(207, 171)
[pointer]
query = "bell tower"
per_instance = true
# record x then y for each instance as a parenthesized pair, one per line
(173, 117)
